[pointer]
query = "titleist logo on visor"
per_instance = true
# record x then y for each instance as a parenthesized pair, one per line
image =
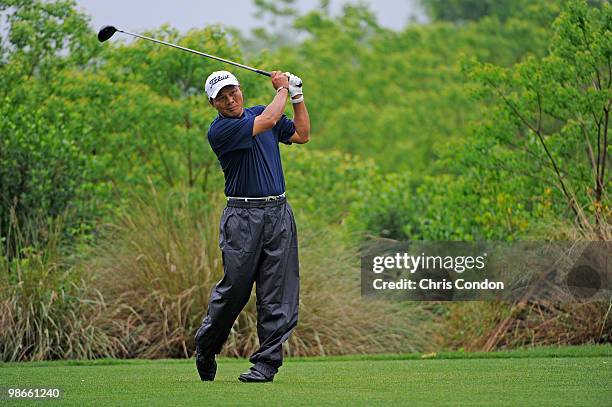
(217, 79)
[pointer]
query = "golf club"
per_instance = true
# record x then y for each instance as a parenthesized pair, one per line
(108, 31)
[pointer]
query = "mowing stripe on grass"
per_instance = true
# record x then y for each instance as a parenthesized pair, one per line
(604, 350)
(521, 381)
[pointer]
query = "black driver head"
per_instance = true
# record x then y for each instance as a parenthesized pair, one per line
(106, 32)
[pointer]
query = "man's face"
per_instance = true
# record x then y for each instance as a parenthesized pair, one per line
(229, 101)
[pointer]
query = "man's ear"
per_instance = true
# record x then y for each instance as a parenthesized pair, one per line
(211, 102)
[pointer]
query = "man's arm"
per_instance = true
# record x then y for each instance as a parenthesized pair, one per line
(273, 112)
(302, 124)
(300, 117)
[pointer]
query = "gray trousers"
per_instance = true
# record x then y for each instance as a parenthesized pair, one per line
(259, 244)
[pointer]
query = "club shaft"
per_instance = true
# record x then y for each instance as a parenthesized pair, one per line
(259, 71)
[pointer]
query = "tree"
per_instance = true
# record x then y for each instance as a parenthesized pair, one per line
(467, 10)
(461, 11)
(39, 32)
(277, 29)
(559, 108)
(43, 170)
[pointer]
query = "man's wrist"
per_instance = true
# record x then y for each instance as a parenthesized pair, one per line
(281, 88)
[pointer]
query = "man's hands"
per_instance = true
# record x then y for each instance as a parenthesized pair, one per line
(290, 81)
(301, 119)
(279, 80)
(272, 113)
(295, 85)
(295, 88)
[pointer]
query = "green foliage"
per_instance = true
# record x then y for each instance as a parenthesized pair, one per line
(461, 11)
(40, 31)
(536, 159)
(474, 207)
(276, 18)
(386, 204)
(468, 10)
(552, 117)
(325, 184)
(468, 206)
(44, 170)
(392, 96)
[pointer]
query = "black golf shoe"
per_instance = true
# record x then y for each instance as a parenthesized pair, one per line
(207, 368)
(258, 374)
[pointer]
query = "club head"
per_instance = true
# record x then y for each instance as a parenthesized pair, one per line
(106, 32)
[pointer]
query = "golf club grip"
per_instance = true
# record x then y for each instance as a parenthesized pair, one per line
(259, 71)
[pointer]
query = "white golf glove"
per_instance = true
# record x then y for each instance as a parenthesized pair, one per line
(295, 88)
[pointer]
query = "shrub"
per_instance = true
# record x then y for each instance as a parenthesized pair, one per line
(551, 117)
(384, 207)
(323, 185)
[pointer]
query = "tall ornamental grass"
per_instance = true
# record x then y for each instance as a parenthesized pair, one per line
(479, 325)
(161, 259)
(48, 308)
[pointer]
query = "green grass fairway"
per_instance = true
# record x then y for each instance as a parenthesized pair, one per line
(569, 376)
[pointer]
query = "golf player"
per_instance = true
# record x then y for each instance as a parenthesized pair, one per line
(258, 236)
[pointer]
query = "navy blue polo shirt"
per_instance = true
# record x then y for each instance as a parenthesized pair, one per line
(251, 165)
